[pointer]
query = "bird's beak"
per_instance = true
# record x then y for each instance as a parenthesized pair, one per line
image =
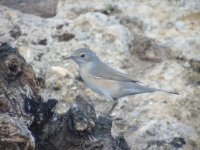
(70, 57)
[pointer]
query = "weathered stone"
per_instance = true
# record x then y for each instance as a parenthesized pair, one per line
(128, 35)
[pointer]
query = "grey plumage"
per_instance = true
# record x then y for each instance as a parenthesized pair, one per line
(110, 74)
(105, 80)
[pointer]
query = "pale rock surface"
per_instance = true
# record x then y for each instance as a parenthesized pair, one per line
(156, 42)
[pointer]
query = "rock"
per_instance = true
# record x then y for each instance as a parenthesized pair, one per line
(171, 138)
(15, 32)
(61, 71)
(156, 42)
(64, 37)
(38, 7)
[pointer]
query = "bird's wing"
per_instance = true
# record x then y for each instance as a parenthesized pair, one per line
(102, 70)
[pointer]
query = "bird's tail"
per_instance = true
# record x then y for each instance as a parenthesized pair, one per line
(135, 88)
(160, 90)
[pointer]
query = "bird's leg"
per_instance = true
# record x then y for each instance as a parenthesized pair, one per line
(113, 106)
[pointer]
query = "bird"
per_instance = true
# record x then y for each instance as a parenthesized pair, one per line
(105, 80)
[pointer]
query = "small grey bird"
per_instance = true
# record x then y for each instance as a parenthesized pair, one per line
(105, 80)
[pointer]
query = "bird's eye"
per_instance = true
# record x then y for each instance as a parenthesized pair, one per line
(82, 55)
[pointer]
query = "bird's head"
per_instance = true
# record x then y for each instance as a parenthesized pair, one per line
(83, 55)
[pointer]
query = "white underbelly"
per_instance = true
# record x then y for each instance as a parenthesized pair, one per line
(108, 88)
(92, 85)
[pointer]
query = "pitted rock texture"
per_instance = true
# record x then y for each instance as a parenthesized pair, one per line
(156, 42)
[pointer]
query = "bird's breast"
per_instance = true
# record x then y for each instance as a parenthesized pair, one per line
(100, 85)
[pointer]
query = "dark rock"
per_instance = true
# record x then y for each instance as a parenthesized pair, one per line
(15, 32)
(121, 142)
(36, 7)
(42, 42)
(79, 78)
(60, 26)
(65, 36)
(149, 49)
(178, 142)
(158, 143)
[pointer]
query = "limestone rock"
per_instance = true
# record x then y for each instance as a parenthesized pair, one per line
(128, 35)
